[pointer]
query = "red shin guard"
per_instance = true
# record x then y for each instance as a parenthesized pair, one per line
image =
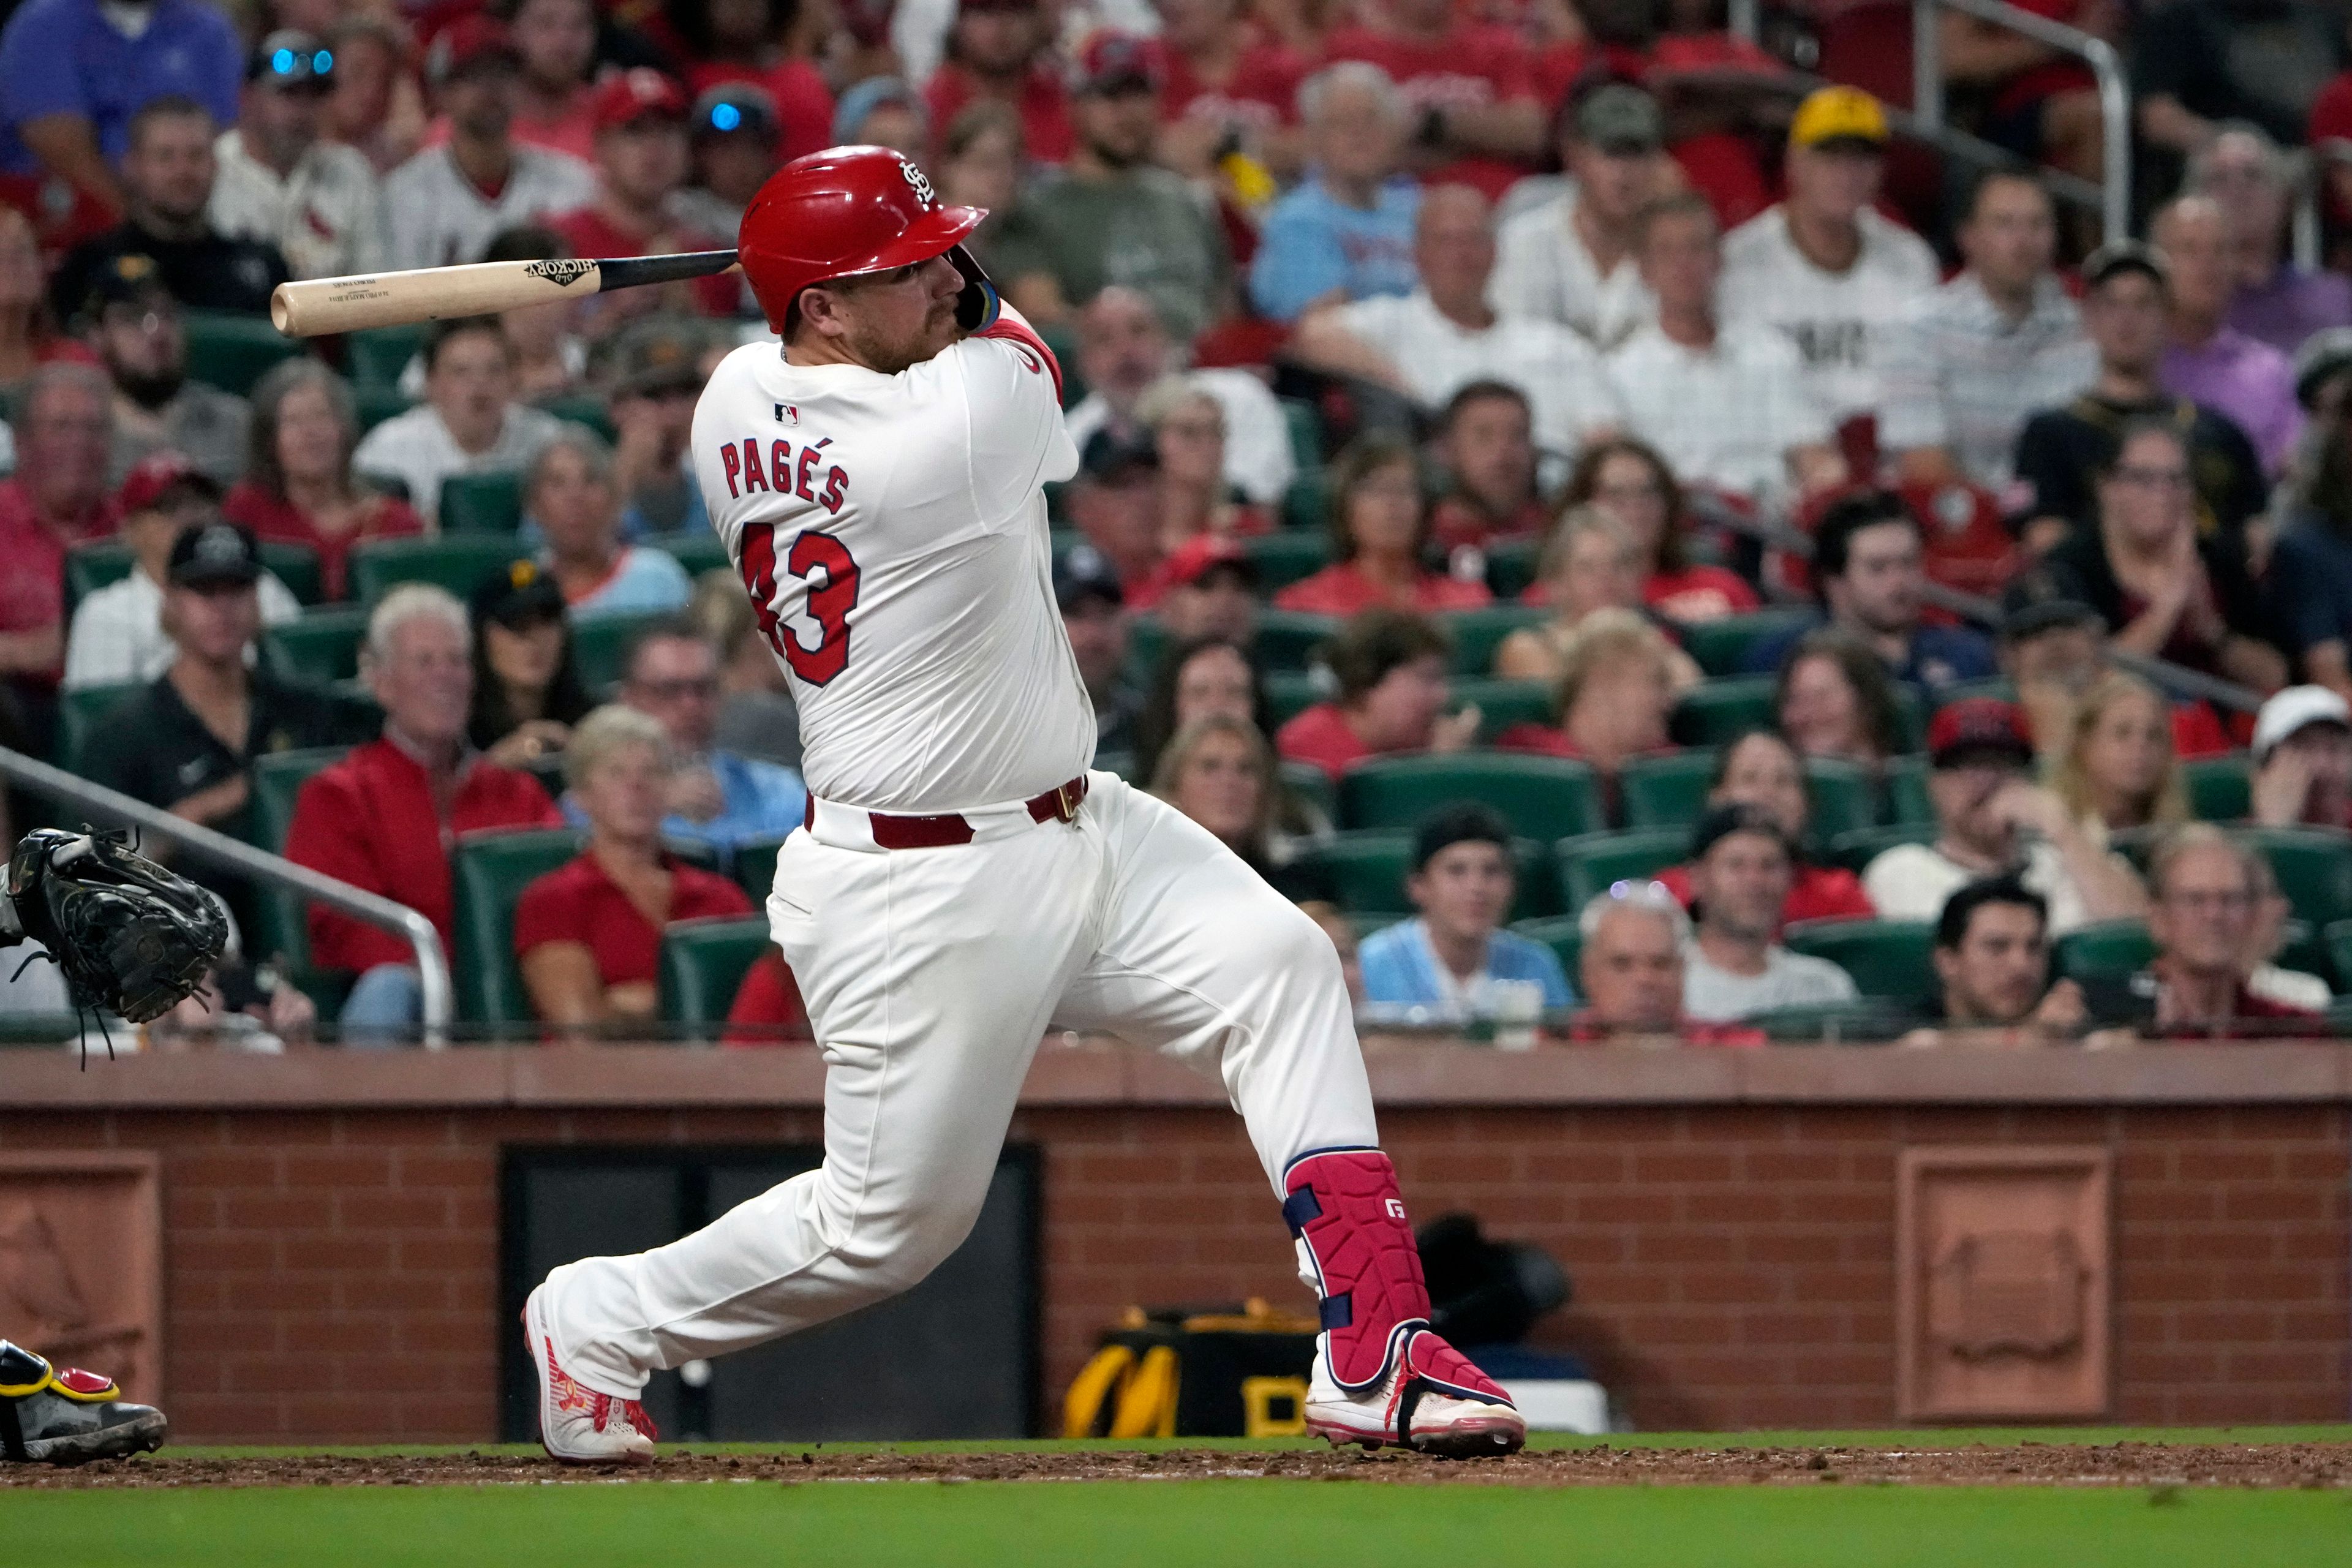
(1343, 1203)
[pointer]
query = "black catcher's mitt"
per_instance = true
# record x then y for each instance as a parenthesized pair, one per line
(131, 937)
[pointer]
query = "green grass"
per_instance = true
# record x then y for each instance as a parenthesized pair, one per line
(1175, 1523)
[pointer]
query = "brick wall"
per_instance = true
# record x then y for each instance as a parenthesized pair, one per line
(331, 1272)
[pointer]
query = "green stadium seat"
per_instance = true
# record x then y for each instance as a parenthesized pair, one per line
(321, 647)
(488, 874)
(1561, 934)
(1856, 850)
(1907, 790)
(1867, 1021)
(2219, 789)
(297, 566)
(1844, 796)
(754, 867)
(2338, 939)
(586, 411)
(1714, 712)
(1910, 717)
(2103, 950)
(482, 504)
(280, 917)
(374, 404)
(1312, 784)
(90, 567)
(1721, 645)
(697, 549)
(1503, 703)
(1367, 873)
(1289, 693)
(232, 351)
(1666, 792)
(377, 355)
(702, 966)
(1887, 958)
(601, 644)
(2314, 868)
(1589, 862)
(1997, 687)
(1064, 341)
(1286, 639)
(78, 715)
(1477, 634)
(1306, 504)
(1511, 567)
(1304, 427)
(1542, 798)
(459, 563)
(1286, 557)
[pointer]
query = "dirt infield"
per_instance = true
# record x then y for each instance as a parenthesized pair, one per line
(2129, 1464)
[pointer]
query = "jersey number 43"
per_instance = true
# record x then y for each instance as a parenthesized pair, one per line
(823, 562)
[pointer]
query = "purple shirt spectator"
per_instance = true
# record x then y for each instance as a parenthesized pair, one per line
(2249, 381)
(2292, 306)
(62, 56)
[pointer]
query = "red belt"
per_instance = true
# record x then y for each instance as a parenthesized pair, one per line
(949, 829)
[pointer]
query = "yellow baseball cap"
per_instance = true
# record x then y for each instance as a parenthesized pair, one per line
(1838, 114)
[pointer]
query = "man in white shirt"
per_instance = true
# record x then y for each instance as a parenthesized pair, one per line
(1981, 783)
(447, 203)
(470, 422)
(1823, 266)
(317, 202)
(1975, 360)
(1726, 404)
(118, 637)
(1444, 335)
(1741, 869)
(1572, 259)
(1124, 348)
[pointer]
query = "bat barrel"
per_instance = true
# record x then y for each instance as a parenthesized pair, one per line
(323, 305)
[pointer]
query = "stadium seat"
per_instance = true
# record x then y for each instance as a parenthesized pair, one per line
(488, 874)
(1856, 850)
(702, 966)
(1313, 784)
(374, 404)
(321, 647)
(1563, 935)
(2338, 939)
(1304, 427)
(1668, 792)
(1289, 693)
(377, 356)
(1510, 567)
(1286, 557)
(1714, 712)
(1721, 645)
(1064, 340)
(1477, 634)
(281, 932)
(1844, 796)
(232, 351)
(1542, 798)
(78, 714)
(1907, 790)
(2103, 950)
(90, 567)
(297, 566)
(699, 550)
(2219, 789)
(585, 410)
(1368, 870)
(1910, 716)
(1887, 958)
(459, 563)
(482, 504)
(754, 867)
(2314, 868)
(1306, 504)
(1867, 1021)
(1503, 703)
(601, 644)
(1286, 639)
(1589, 862)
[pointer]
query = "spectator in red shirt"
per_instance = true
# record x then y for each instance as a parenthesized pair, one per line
(1208, 589)
(29, 338)
(2303, 753)
(1628, 480)
(642, 158)
(1629, 972)
(1762, 770)
(1229, 87)
(750, 41)
(1471, 89)
(299, 487)
(57, 499)
(556, 41)
(385, 818)
(1588, 564)
(1486, 439)
(768, 1008)
(1616, 688)
(1380, 529)
(1187, 423)
(997, 52)
(588, 934)
(1391, 667)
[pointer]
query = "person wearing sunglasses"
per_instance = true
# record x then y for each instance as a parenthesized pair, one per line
(281, 182)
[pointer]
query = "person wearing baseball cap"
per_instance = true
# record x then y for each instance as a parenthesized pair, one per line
(1823, 266)
(2303, 758)
(141, 338)
(736, 139)
(1208, 588)
(1742, 866)
(643, 156)
(1455, 963)
(447, 203)
(1114, 500)
(1992, 819)
(883, 112)
(117, 636)
(1094, 615)
(2062, 451)
(188, 740)
(280, 181)
(1570, 259)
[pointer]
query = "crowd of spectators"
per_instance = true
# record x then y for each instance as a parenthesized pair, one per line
(1579, 404)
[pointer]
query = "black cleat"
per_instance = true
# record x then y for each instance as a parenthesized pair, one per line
(65, 1417)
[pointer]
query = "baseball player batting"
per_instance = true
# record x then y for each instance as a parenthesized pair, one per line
(963, 882)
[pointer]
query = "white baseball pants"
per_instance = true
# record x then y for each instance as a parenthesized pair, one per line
(930, 975)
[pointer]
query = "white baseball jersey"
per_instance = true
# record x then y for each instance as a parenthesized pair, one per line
(1842, 324)
(891, 529)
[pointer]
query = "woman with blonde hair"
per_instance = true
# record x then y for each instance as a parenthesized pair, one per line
(1589, 562)
(1188, 430)
(1220, 772)
(1616, 688)
(2118, 770)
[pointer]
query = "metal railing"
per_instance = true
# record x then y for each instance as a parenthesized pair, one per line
(106, 805)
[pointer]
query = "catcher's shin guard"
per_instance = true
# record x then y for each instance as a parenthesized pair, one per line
(53, 1416)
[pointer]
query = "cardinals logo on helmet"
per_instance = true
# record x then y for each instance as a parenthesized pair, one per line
(918, 183)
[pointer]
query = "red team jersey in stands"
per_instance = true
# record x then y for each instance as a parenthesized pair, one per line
(580, 902)
(1468, 68)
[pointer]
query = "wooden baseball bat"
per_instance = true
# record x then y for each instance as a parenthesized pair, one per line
(438, 293)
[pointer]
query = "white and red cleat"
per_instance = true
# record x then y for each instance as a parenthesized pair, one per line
(1432, 1401)
(577, 1424)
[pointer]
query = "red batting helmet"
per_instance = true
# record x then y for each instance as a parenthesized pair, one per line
(836, 213)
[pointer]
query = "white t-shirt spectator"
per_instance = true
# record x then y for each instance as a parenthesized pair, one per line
(1964, 377)
(417, 449)
(1542, 269)
(325, 217)
(116, 637)
(1259, 460)
(1842, 324)
(1563, 377)
(1790, 980)
(1724, 416)
(1913, 881)
(439, 218)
